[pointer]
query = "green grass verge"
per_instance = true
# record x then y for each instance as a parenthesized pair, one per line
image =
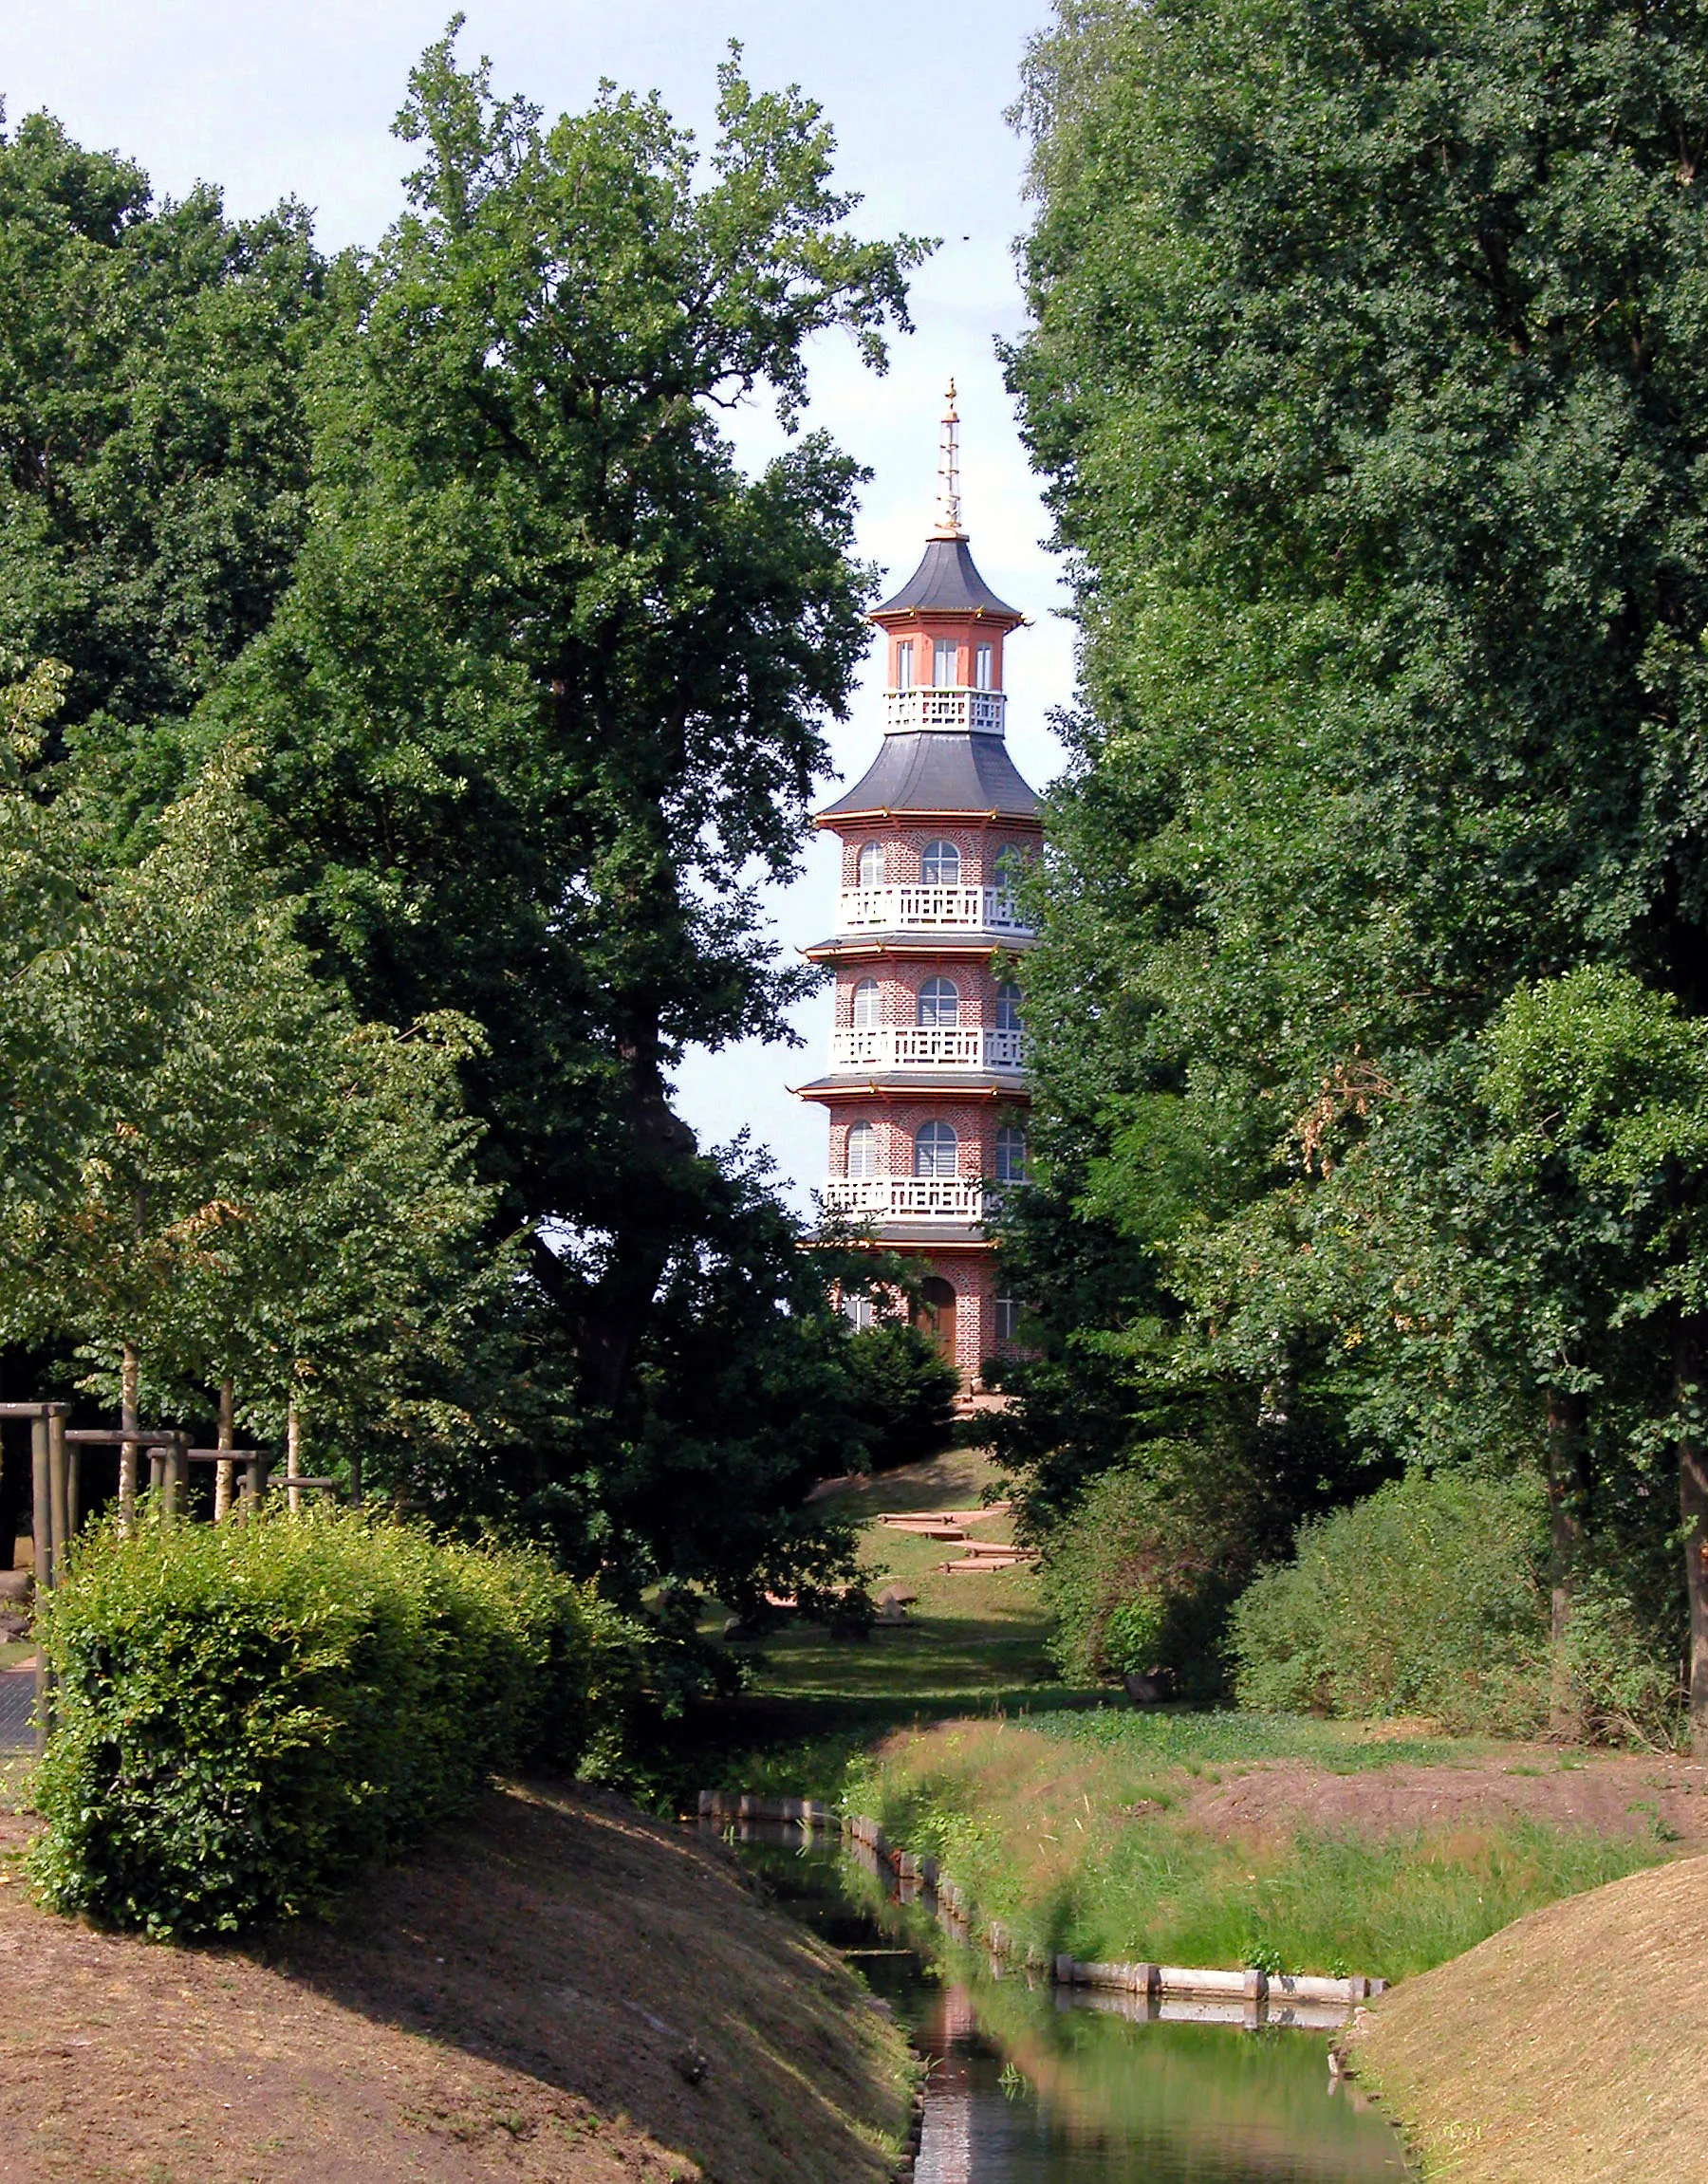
(1073, 1833)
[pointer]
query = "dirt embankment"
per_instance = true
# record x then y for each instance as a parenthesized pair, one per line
(563, 1992)
(1609, 1793)
(1571, 2046)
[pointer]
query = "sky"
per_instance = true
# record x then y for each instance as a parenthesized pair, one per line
(269, 100)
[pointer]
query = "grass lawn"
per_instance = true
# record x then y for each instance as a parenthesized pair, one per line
(1188, 1838)
(814, 1702)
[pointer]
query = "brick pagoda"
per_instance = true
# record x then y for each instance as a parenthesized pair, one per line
(927, 1087)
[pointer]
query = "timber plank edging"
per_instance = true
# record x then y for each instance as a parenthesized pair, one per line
(1245, 1985)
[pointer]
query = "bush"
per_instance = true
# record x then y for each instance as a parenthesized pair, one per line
(1139, 1575)
(244, 1713)
(901, 1392)
(1425, 1598)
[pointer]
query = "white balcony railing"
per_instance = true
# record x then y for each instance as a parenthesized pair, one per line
(932, 705)
(918, 1048)
(905, 1198)
(921, 908)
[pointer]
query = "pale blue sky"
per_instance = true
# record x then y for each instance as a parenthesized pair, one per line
(269, 100)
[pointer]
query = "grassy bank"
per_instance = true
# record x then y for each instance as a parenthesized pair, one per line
(554, 1990)
(1209, 1839)
(1113, 1837)
(1571, 2047)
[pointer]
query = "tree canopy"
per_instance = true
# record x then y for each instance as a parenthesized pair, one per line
(1368, 377)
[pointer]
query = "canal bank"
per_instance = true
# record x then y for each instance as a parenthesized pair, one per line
(1028, 2083)
(1571, 2048)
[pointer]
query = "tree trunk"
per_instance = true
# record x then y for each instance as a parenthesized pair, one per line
(293, 1455)
(225, 1475)
(615, 1317)
(1690, 1366)
(1568, 1513)
(130, 1385)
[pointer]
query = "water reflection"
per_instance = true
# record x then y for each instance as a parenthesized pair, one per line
(1029, 2086)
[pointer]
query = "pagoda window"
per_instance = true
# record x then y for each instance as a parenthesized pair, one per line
(939, 1005)
(1008, 1318)
(1010, 1156)
(936, 1150)
(862, 1151)
(904, 664)
(867, 1007)
(939, 864)
(1008, 1007)
(984, 667)
(946, 663)
(868, 866)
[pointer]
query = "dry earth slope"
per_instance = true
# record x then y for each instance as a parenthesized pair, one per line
(1569, 2049)
(561, 1992)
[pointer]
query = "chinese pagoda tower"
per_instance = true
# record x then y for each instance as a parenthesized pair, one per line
(928, 1087)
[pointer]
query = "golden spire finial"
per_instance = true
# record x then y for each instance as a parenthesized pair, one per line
(948, 525)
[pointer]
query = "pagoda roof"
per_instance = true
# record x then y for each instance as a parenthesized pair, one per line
(943, 771)
(947, 581)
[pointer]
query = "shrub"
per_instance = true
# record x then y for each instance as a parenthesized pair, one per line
(244, 1713)
(901, 1392)
(1139, 1576)
(1424, 1598)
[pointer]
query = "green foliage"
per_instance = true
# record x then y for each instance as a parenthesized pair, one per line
(246, 1713)
(213, 1163)
(1425, 1599)
(153, 442)
(901, 1393)
(1368, 377)
(546, 696)
(1140, 1574)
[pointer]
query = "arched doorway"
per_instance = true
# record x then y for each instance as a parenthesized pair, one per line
(936, 1313)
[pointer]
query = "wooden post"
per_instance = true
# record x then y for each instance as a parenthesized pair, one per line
(293, 1456)
(58, 1484)
(73, 1489)
(251, 1489)
(41, 1521)
(225, 1475)
(130, 1374)
(356, 1478)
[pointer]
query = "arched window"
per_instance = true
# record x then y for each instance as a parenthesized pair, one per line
(863, 1149)
(939, 864)
(868, 866)
(1007, 1006)
(936, 1150)
(866, 1002)
(1010, 1156)
(1009, 869)
(939, 1005)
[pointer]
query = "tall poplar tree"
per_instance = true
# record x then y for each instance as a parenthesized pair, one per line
(1369, 380)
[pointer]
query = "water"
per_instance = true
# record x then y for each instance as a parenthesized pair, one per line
(1027, 2087)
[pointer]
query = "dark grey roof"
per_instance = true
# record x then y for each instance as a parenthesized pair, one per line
(947, 582)
(1004, 1083)
(940, 770)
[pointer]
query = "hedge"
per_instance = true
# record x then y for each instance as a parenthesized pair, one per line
(1425, 1598)
(244, 1714)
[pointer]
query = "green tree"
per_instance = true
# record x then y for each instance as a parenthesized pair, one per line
(227, 1176)
(1368, 379)
(545, 700)
(153, 448)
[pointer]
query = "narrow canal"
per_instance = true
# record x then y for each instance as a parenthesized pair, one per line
(1024, 2089)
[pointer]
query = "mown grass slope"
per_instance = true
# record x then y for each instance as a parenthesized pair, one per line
(1572, 2048)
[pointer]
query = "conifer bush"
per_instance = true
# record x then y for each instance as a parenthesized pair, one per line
(244, 1714)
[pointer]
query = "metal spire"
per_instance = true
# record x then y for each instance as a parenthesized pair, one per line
(948, 524)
